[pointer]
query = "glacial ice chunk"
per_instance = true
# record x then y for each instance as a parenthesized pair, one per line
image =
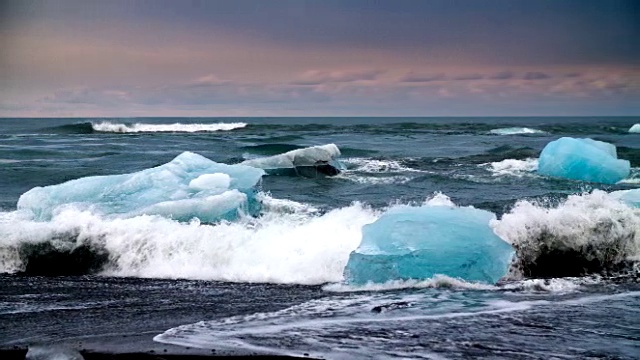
(420, 242)
(189, 186)
(635, 128)
(321, 158)
(583, 159)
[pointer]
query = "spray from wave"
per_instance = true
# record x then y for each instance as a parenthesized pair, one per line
(512, 167)
(585, 234)
(294, 243)
(110, 127)
(290, 243)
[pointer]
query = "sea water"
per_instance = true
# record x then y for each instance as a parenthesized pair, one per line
(273, 281)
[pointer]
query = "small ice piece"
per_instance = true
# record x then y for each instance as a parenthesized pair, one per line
(635, 128)
(583, 159)
(420, 242)
(189, 186)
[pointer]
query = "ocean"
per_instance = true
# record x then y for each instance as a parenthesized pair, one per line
(273, 282)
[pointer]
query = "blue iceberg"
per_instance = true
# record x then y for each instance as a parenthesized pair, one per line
(420, 242)
(635, 128)
(190, 186)
(583, 159)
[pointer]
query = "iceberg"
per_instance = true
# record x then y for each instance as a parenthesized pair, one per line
(309, 161)
(635, 128)
(583, 159)
(420, 242)
(190, 186)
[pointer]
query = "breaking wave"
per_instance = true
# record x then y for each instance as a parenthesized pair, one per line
(295, 243)
(516, 131)
(290, 243)
(110, 127)
(512, 167)
(585, 234)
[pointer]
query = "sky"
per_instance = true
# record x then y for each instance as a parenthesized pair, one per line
(118, 58)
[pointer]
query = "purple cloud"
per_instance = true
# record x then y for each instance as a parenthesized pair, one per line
(502, 75)
(417, 77)
(536, 75)
(469, 77)
(319, 77)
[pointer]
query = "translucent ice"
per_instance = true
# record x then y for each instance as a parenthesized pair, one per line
(635, 128)
(420, 242)
(320, 158)
(189, 186)
(630, 197)
(583, 159)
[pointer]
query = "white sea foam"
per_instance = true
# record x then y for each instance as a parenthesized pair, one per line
(633, 178)
(516, 131)
(279, 247)
(555, 286)
(596, 225)
(376, 166)
(512, 167)
(290, 243)
(296, 243)
(376, 171)
(319, 325)
(111, 127)
(369, 180)
(438, 281)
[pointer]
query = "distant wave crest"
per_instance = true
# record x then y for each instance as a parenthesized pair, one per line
(516, 131)
(107, 126)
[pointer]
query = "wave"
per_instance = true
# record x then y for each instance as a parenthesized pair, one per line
(512, 167)
(377, 171)
(295, 243)
(78, 128)
(585, 234)
(376, 166)
(372, 325)
(290, 243)
(516, 131)
(110, 127)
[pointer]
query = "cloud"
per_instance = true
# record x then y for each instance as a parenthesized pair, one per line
(502, 75)
(572, 75)
(418, 77)
(207, 80)
(535, 75)
(469, 77)
(318, 77)
(88, 96)
(347, 92)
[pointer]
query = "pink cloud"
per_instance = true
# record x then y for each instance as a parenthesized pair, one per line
(318, 77)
